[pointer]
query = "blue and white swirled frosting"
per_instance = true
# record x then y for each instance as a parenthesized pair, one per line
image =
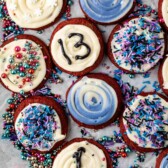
(164, 163)
(92, 101)
(106, 11)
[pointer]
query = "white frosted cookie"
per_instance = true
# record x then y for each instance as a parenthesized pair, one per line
(82, 153)
(76, 46)
(25, 63)
(35, 14)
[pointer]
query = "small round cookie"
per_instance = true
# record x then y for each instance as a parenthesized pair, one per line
(163, 75)
(163, 13)
(40, 124)
(81, 152)
(137, 45)
(144, 123)
(106, 11)
(77, 46)
(25, 63)
(35, 14)
(162, 160)
(95, 101)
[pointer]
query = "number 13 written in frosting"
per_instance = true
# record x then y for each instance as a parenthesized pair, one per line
(75, 47)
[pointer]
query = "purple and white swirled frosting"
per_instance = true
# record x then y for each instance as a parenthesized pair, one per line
(92, 101)
(106, 11)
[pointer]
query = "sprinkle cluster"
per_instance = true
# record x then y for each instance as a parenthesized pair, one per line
(23, 64)
(36, 160)
(147, 121)
(138, 44)
(9, 27)
(39, 125)
(144, 10)
(121, 151)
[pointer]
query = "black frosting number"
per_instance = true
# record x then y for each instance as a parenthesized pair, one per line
(77, 155)
(77, 45)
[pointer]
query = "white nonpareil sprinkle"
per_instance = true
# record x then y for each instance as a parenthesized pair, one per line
(38, 12)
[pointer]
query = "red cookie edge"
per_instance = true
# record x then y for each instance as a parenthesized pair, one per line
(160, 158)
(163, 24)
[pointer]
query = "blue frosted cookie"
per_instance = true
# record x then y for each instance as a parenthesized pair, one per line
(94, 101)
(106, 11)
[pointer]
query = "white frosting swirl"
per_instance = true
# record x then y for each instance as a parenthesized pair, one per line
(164, 73)
(14, 81)
(93, 157)
(90, 38)
(34, 13)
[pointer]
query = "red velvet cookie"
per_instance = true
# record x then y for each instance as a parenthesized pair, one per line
(36, 15)
(81, 152)
(142, 121)
(137, 44)
(163, 75)
(77, 46)
(95, 101)
(106, 12)
(40, 124)
(25, 63)
(162, 160)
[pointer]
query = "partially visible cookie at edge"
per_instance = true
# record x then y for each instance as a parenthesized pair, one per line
(144, 122)
(36, 15)
(82, 152)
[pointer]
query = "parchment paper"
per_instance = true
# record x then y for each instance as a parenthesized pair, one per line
(10, 157)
